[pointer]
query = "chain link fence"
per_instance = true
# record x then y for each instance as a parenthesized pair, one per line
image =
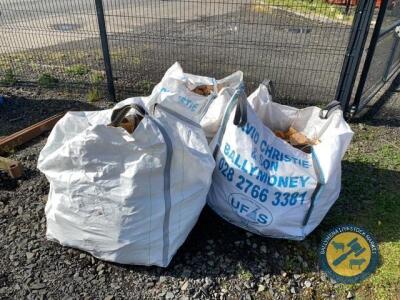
(299, 44)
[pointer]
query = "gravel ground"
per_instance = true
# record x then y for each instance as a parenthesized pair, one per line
(19, 111)
(211, 264)
(218, 261)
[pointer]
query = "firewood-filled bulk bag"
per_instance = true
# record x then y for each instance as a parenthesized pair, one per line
(126, 185)
(265, 184)
(202, 99)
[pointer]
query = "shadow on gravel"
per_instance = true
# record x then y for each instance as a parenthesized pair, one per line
(18, 112)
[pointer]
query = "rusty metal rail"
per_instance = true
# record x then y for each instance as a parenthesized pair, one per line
(8, 143)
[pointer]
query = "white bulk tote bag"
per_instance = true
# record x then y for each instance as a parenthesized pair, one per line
(130, 198)
(262, 183)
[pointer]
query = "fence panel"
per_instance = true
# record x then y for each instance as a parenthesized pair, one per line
(48, 42)
(298, 44)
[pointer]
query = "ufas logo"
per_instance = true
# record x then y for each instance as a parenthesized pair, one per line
(249, 211)
(348, 254)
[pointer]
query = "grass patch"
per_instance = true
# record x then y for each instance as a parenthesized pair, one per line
(144, 86)
(243, 273)
(9, 78)
(46, 80)
(119, 54)
(312, 8)
(77, 70)
(96, 78)
(93, 95)
(370, 198)
(28, 64)
(136, 61)
(20, 59)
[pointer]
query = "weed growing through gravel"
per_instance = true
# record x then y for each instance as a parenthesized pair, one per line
(9, 78)
(46, 80)
(77, 70)
(144, 86)
(243, 273)
(94, 94)
(96, 78)
(136, 60)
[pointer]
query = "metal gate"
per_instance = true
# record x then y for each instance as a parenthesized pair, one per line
(383, 57)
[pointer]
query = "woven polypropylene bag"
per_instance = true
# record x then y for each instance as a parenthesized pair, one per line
(265, 185)
(130, 198)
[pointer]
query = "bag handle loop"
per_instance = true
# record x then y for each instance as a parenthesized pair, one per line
(240, 118)
(270, 87)
(329, 109)
(120, 113)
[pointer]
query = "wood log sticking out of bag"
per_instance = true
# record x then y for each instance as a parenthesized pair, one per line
(130, 123)
(206, 90)
(119, 117)
(203, 90)
(296, 138)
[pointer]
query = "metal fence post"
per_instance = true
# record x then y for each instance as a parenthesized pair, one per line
(354, 52)
(104, 47)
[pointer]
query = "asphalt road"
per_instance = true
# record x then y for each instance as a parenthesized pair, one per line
(14, 11)
(31, 14)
